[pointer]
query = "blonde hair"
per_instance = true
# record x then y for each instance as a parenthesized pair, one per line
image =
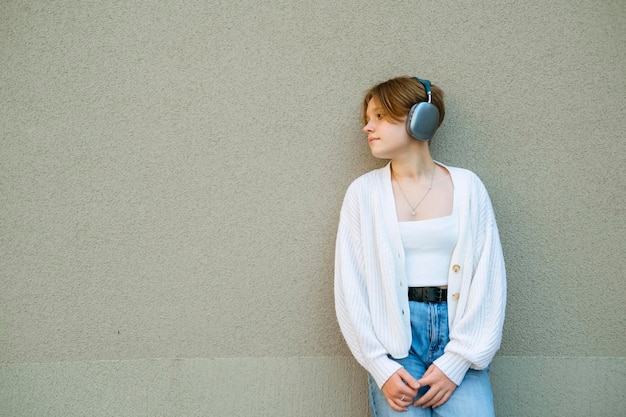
(397, 95)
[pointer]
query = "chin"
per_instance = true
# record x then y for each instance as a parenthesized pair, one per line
(379, 155)
(382, 154)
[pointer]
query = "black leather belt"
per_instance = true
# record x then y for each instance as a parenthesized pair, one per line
(428, 294)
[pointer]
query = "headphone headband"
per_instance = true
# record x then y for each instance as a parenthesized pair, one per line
(426, 85)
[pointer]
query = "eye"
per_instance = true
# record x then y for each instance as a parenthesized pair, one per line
(379, 116)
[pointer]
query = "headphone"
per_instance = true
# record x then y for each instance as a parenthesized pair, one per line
(423, 119)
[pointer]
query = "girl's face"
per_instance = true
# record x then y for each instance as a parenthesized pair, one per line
(387, 139)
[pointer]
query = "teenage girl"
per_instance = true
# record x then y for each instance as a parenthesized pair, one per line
(420, 285)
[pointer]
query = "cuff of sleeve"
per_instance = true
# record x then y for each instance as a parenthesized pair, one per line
(382, 369)
(453, 366)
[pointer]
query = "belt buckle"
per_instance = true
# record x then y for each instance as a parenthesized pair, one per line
(427, 294)
(437, 294)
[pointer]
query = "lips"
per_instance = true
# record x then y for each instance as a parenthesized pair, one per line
(372, 139)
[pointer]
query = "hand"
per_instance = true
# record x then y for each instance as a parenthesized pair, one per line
(441, 388)
(400, 390)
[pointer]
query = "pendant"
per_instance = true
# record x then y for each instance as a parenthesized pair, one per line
(413, 213)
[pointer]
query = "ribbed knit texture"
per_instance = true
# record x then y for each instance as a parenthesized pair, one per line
(371, 287)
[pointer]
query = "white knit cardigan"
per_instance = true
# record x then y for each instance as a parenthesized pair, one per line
(371, 299)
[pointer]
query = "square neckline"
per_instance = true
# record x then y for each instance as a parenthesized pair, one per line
(432, 218)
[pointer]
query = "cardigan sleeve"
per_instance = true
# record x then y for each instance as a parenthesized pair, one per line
(476, 333)
(351, 299)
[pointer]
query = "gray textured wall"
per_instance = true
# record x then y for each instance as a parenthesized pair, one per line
(171, 175)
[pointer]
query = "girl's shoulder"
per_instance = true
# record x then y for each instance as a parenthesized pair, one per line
(458, 172)
(465, 176)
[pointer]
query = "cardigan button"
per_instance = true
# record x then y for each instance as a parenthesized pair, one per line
(456, 268)
(456, 295)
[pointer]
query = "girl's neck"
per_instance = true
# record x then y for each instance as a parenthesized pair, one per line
(413, 166)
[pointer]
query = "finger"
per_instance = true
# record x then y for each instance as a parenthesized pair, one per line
(407, 399)
(395, 388)
(427, 378)
(445, 399)
(396, 405)
(436, 399)
(408, 379)
(424, 399)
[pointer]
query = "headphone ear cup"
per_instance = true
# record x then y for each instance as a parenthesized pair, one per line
(422, 121)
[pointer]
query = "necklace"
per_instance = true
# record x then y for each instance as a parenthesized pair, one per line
(414, 209)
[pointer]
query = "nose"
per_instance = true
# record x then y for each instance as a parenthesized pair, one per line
(369, 127)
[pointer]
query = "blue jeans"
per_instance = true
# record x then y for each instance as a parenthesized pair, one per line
(429, 326)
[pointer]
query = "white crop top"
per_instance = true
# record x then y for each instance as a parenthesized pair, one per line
(428, 246)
